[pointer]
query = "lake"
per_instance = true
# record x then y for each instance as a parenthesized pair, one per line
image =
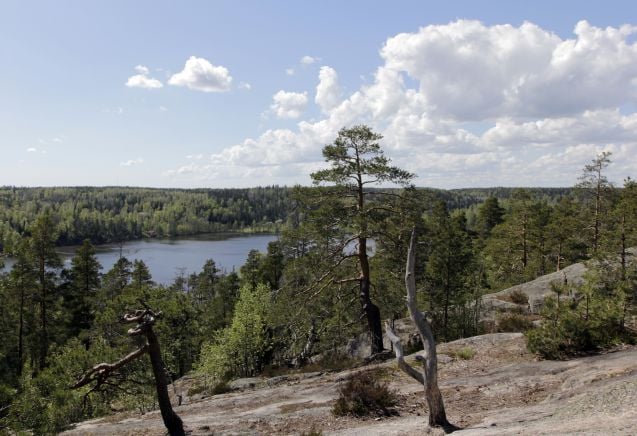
(168, 258)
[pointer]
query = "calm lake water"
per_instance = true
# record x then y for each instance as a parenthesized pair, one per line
(168, 258)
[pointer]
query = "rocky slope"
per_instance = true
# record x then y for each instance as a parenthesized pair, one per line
(502, 389)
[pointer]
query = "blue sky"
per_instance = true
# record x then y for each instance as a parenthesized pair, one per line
(229, 94)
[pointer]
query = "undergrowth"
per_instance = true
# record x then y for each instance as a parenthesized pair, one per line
(365, 394)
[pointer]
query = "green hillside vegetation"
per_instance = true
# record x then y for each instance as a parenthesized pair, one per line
(119, 214)
(115, 214)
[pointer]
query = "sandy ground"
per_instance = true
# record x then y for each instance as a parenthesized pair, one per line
(501, 390)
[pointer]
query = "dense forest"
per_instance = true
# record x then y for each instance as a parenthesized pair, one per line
(119, 214)
(115, 214)
(313, 290)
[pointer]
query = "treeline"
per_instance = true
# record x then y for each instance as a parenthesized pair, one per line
(316, 290)
(117, 214)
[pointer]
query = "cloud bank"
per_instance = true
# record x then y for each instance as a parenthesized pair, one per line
(464, 104)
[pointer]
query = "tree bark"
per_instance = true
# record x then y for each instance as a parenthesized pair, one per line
(372, 313)
(171, 420)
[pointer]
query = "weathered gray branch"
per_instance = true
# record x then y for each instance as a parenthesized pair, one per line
(102, 371)
(429, 375)
(400, 355)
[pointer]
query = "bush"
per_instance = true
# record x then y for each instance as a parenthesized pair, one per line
(364, 394)
(331, 361)
(45, 404)
(519, 297)
(464, 353)
(589, 323)
(514, 322)
(241, 349)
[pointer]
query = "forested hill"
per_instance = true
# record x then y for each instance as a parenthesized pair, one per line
(467, 197)
(111, 214)
(123, 213)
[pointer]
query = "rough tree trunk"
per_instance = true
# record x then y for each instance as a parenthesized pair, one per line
(372, 313)
(428, 376)
(171, 420)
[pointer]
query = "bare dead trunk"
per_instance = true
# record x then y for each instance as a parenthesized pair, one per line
(437, 414)
(428, 376)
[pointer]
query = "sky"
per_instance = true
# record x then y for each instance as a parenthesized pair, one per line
(215, 94)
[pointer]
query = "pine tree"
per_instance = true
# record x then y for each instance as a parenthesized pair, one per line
(46, 260)
(508, 250)
(564, 239)
(22, 290)
(81, 293)
(345, 204)
(448, 266)
(490, 214)
(140, 276)
(596, 191)
(251, 270)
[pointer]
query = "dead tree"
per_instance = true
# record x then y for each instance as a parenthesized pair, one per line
(100, 373)
(428, 376)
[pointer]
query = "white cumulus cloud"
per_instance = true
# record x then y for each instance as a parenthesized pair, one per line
(309, 60)
(200, 75)
(468, 70)
(289, 104)
(328, 91)
(132, 162)
(141, 80)
(464, 104)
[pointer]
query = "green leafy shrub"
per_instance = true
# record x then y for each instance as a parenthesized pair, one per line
(364, 394)
(241, 349)
(45, 403)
